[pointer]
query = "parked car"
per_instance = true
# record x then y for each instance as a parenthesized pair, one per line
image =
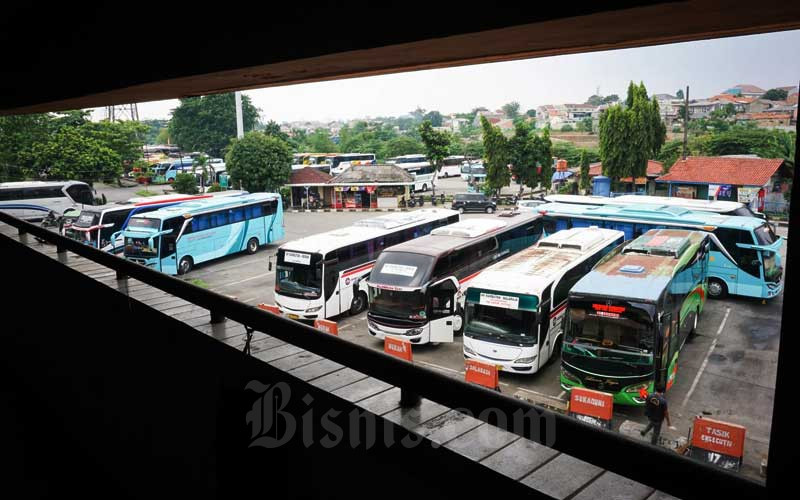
(473, 202)
(529, 205)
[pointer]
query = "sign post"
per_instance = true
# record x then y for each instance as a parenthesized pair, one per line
(402, 349)
(483, 374)
(327, 326)
(592, 407)
(718, 443)
(271, 308)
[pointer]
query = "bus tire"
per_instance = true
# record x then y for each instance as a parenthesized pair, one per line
(717, 289)
(424, 187)
(185, 265)
(359, 303)
(252, 245)
(460, 320)
(694, 322)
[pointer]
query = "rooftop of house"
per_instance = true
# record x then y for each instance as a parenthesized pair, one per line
(723, 170)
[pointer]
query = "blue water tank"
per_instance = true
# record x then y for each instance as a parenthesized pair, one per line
(601, 186)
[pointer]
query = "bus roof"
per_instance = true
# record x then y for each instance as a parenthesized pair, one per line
(643, 269)
(25, 184)
(651, 213)
(199, 206)
(365, 229)
(704, 205)
(443, 240)
(531, 270)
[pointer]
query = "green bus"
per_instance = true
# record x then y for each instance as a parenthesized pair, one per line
(628, 318)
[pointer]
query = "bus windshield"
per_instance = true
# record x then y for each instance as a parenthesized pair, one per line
(402, 269)
(500, 323)
(397, 304)
(87, 219)
(140, 247)
(765, 235)
(144, 223)
(299, 274)
(607, 330)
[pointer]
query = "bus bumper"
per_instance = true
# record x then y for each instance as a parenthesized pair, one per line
(413, 335)
(620, 397)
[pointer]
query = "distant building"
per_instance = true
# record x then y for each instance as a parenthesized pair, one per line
(746, 90)
(645, 184)
(760, 182)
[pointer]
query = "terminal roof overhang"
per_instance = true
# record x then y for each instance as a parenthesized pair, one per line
(71, 56)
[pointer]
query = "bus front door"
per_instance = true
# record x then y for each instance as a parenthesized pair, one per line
(168, 252)
(442, 300)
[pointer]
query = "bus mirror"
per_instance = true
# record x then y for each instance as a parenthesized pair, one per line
(269, 261)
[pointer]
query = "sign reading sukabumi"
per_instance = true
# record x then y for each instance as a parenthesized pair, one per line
(592, 407)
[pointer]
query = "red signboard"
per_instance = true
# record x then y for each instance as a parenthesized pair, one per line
(481, 373)
(327, 326)
(719, 437)
(591, 403)
(270, 308)
(397, 347)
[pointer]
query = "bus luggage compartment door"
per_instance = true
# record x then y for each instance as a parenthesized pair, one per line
(442, 310)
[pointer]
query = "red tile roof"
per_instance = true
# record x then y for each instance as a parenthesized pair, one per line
(750, 89)
(654, 169)
(308, 175)
(723, 170)
(763, 116)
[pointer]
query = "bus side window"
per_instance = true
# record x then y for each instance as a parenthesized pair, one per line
(237, 214)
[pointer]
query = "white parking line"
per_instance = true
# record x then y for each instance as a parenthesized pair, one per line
(439, 367)
(705, 361)
(549, 396)
(242, 281)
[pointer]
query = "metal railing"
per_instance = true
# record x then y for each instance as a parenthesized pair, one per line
(659, 468)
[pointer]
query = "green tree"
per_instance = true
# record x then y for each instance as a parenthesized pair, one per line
(18, 135)
(163, 136)
(126, 138)
(775, 95)
(320, 141)
(585, 125)
(496, 149)
(437, 145)
(272, 128)
(594, 100)
(531, 113)
(72, 155)
(434, 117)
(584, 182)
(401, 145)
(185, 183)
(610, 98)
(522, 154)
(208, 123)
(511, 109)
(259, 162)
(154, 128)
(567, 128)
(679, 94)
(670, 152)
(544, 155)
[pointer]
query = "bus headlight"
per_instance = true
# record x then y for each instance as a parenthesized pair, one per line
(414, 331)
(313, 309)
(569, 376)
(467, 350)
(637, 387)
(526, 361)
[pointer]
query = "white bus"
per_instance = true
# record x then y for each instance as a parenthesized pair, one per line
(34, 200)
(416, 288)
(516, 309)
(424, 175)
(403, 159)
(720, 207)
(451, 166)
(321, 276)
(341, 162)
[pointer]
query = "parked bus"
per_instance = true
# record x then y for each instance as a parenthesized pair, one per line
(33, 200)
(315, 160)
(628, 319)
(321, 276)
(416, 288)
(424, 175)
(451, 166)
(403, 159)
(718, 207)
(745, 256)
(184, 165)
(101, 226)
(473, 172)
(341, 162)
(515, 309)
(175, 239)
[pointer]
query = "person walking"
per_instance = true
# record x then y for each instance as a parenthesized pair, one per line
(656, 409)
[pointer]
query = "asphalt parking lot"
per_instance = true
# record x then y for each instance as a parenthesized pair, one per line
(726, 370)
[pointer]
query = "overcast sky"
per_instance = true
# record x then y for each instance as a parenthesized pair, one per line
(708, 67)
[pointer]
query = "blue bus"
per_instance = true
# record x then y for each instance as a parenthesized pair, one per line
(169, 171)
(745, 257)
(175, 239)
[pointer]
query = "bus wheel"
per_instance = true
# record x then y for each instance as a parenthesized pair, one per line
(252, 245)
(458, 322)
(186, 265)
(424, 187)
(359, 303)
(717, 289)
(694, 322)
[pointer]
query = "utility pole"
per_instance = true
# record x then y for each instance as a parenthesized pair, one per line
(239, 120)
(685, 121)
